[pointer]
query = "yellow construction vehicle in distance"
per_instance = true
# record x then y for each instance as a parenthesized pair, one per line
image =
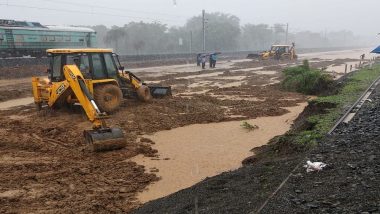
(278, 52)
(94, 79)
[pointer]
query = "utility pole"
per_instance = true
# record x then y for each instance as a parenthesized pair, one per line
(287, 33)
(204, 30)
(191, 41)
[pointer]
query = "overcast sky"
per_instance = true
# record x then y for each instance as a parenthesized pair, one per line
(359, 16)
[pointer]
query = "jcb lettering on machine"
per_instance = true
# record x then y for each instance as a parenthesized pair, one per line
(60, 89)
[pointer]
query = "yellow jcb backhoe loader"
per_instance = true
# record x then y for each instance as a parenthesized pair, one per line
(278, 52)
(94, 79)
(74, 89)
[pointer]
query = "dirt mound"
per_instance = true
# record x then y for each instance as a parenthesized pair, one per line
(44, 157)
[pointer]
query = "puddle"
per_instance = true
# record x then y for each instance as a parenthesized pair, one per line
(272, 81)
(346, 54)
(228, 85)
(230, 77)
(340, 69)
(234, 97)
(266, 72)
(190, 93)
(199, 84)
(248, 69)
(202, 75)
(16, 102)
(190, 154)
(173, 69)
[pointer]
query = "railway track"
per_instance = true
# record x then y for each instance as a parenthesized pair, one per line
(351, 112)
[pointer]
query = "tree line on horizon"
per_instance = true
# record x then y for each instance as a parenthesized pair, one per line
(223, 33)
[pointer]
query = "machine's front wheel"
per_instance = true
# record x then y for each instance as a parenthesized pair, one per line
(108, 97)
(285, 56)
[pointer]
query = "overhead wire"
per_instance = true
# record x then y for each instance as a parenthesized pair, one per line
(88, 12)
(113, 8)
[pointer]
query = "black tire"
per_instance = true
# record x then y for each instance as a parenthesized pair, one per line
(144, 93)
(38, 106)
(108, 97)
(285, 56)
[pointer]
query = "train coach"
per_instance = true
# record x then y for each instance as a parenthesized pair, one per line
(21, 38)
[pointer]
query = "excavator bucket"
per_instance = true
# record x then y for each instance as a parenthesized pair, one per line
(105, 139)
(160, 91)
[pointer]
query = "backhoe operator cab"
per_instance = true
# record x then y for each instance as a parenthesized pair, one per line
(99, 69)
(93, 63)
(280, 48)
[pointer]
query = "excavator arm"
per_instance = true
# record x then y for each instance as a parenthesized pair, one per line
(78, 86)
(101, 137)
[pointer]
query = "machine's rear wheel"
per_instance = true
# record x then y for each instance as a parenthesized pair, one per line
(108, 97)
(144, 93)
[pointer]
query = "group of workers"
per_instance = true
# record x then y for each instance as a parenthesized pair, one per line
(202, 59)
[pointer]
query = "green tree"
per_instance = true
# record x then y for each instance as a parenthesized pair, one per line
(115, 37)
(256, 37)
(222, 31)
(145, 38)
(101, 32)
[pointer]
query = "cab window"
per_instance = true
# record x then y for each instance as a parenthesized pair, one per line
(110, 65)
(56, 68)
(85, 66)
(97, 66)
(70, 60)
(82, 62)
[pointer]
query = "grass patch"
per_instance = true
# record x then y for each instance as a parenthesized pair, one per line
(353, 87)
(306, 80)
(248, 126)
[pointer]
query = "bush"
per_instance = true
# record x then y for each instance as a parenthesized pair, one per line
(304, 79)
(248, 126)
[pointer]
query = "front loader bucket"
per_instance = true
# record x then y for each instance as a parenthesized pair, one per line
(160, 91)
(105, 139)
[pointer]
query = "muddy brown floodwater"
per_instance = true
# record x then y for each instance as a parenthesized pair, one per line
(189, 154)
(345, 54)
